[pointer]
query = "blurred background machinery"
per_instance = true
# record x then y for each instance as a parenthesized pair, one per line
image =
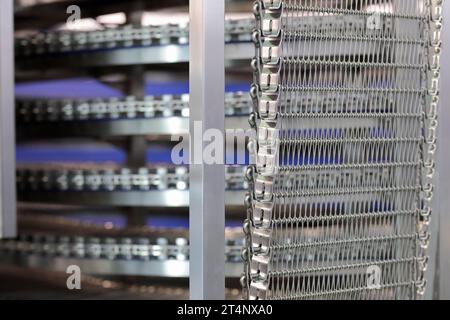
(101, 86)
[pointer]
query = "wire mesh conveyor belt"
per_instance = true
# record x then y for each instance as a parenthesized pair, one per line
(152, 107)
(340, 193)
(122, 37)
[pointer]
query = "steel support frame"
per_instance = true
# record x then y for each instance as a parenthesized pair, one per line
(440, 269)
(207, 181)
(8, 225)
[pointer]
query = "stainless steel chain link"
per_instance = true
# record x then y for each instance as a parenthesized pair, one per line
(110, 248)
(65, 178)
(151, 107)
(121, 37)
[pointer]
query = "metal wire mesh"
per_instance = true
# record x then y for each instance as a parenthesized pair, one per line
(345, 96)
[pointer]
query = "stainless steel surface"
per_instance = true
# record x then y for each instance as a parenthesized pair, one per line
(168, 198)
(150, 199)
(341, 210)
(109, 128)
(207, 196)
(129, 56)
(7, 135)
(442, 221)
(101, 267)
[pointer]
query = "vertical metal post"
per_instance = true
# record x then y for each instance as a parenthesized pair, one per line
(443, 178)
(136, 146)
(207, 182)
(8, 226)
